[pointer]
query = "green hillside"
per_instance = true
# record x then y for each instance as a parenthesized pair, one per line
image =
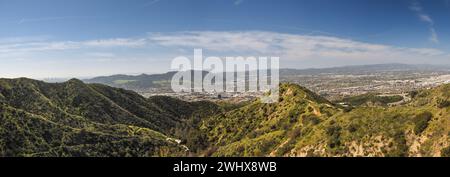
(371, 99)
(78, 119)
(303, 124)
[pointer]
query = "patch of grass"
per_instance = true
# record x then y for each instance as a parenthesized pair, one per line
(421, 122)
(445, 152)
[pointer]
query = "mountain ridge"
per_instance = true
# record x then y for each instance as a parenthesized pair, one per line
(95, 110)
(78, 119)
(308, 127)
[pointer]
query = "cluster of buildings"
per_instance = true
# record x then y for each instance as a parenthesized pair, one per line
(332, 87)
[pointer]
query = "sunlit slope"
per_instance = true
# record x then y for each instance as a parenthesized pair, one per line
(77, 119)
(304, 124)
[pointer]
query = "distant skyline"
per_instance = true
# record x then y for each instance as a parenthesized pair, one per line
(77, 38)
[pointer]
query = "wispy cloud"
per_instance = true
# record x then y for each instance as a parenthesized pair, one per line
(418, 9)
(43, 46)
(101, 55)
(45, 19)
(153, 52)
(23, 39)
(434, 36)
(290, 47)
(426, 18)
(116, 42)
(151, 2)
(238, 2)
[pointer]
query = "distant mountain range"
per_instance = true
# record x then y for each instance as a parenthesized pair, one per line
(139, 82)
(365, 69)
(78, 119)
(144, 81)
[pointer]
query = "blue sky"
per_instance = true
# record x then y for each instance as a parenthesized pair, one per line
(73, 38)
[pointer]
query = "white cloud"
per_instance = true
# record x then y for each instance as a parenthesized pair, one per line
(37, 47)
(426, 18)
(150, 3)
(101, 54)
(43, 46)
(45, 19)
(118, 42)
(289, 46)
(225, 41)
(425, 51)
(23, 39)
(434, 36)
(238, 2)
(155, 51)
(418, 9)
